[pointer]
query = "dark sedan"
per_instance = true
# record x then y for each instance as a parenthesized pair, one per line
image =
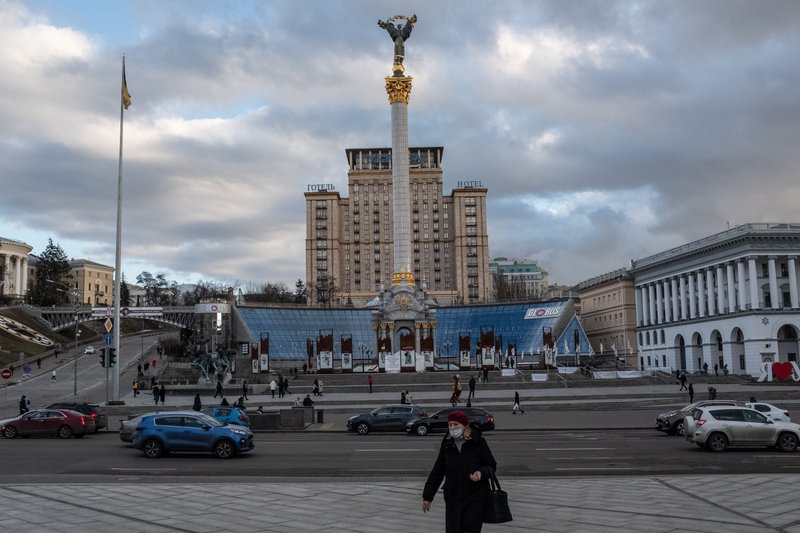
(437, 422)
(48, 422)
(88, 409)
(386, 418)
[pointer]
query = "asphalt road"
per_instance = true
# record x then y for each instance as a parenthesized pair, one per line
(104, 458)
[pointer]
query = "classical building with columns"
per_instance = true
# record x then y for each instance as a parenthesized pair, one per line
(729, 300)
(14, 268)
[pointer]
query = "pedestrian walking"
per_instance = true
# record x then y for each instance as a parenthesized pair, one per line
(712, 393)
(53, 375)
(516, 404)
(369, 380)
(153, 363)
(682, 379)
(691, 393)
(402, 397)
(409, 398)
(716, 370)
(272, 388)
(244, 390)
(457, 387)
(465, 463)
(218, 390)
(471, 387)
(197, 405)
(486, 374)
(135, 387)
(315, 390)
(23, 405)
(280, 386)
(321, 388)
(156, 394)
(39, 363)
(163, 393)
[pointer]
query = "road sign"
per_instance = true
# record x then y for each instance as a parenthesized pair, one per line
(6, 374)
(108, 340)
(108, 324)
(26, 368)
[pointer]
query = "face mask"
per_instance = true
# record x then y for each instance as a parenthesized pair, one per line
(456, 433)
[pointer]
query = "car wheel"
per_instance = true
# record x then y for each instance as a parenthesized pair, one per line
(65, 432)
(224, 449)
(717, 442)
(362, 428)
(10, 432)
(422, 430)
(152, 449)
(679, 428)
(787, 442)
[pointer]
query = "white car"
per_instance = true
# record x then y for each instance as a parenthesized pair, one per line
(718, 427)
(88, 349)
(770, 411)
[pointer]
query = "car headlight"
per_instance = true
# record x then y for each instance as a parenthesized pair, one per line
(239, 432)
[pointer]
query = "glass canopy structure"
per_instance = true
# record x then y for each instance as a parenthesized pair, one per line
(524, 326)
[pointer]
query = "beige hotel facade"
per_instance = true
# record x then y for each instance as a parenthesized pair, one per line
(350, 239)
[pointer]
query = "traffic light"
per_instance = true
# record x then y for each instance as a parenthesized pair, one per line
(112, 357)
(102, 357)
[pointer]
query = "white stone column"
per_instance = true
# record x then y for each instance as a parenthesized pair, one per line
(6, 278)
(793, 281)
(773, 283)
(754, 300)
(24, 276)
(659, 303)
(741, 285)
(692, 299)
(638, 295)
(667, 301)
(645, 305)
(710, 291)
(720, 290)
(17, 275)
(701, 294)
(651, 299)
(731, 288)
(673, 290)
(399, 90)
(682, 288)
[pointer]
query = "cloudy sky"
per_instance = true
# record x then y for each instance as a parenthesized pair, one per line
(603, 130)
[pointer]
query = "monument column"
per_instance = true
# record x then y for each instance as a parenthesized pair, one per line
(399, 90)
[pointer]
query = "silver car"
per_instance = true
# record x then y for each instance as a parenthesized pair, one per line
(770, 411)
(718, 427)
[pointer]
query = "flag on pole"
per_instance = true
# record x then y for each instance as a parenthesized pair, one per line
(126, 96)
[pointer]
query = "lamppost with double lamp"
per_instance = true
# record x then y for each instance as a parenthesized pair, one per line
(73, 293)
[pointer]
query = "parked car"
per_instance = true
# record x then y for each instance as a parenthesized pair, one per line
(671, 422)
(228, 415)
(716, 427)
(89, 350)
(88, 409)
(190, 431)
(385, 418)
(437, 422)
(61, 423)
(770, 411)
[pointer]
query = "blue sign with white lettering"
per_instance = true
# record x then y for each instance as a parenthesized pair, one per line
(108, 340)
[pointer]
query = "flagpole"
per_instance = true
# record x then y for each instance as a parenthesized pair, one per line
(118, 261)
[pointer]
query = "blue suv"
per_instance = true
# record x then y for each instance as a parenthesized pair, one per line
(228, 415)
(160, 433)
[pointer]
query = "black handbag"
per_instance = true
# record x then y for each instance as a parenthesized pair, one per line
(497, 510)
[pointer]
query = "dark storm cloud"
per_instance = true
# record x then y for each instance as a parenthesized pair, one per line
(604, 130)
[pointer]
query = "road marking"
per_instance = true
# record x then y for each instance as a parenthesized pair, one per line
(395, 450)
(590, 458)
(565, 449)
(598, 468)
(144, 469)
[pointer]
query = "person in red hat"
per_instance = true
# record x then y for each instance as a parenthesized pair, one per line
(465, 463)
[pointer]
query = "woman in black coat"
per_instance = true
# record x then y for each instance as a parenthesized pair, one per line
(465, 462)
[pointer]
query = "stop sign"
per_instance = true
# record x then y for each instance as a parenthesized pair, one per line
(6, 373)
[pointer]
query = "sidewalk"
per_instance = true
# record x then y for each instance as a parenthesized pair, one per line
(707, 503)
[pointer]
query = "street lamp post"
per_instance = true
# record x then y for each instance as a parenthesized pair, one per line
(72, 293)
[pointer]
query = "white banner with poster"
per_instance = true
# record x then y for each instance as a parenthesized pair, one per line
(254, 366)
(508, 372)
(264, 362)
(567, 369)
(487, 358)
(627, 374)
(325, 360)
(464, 356)
(609, 374)
(539, 377)
(347, 361)
(392, 362)
(428, 359)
